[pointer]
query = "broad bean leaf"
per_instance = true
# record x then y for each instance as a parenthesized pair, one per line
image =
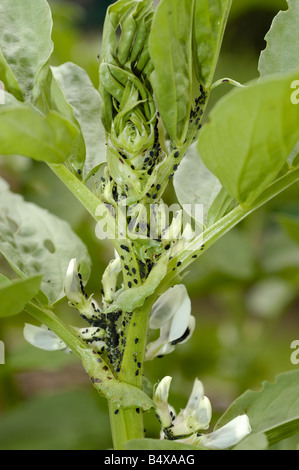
(56, 101)
(16, 294)
(8, 79)
(131, 299)
(170, 46)
(282, 51)
(86, 103)
(24, 131)
(202, 188)
(25, 42)
(210, 18)
(273, 411)
(35, 242)
(251, 133)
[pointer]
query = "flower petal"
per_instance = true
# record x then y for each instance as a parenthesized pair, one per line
(187, 334)
(43, 338)
(160, 347)
(197, 414)
(203, 415)
(229, 435)
(72, 284)
(180, 321)
(161, 401)
(167, 305)
(196, 395)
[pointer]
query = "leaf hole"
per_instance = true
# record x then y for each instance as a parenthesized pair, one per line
(49, 245)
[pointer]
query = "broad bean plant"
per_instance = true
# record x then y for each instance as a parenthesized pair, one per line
(117, 148)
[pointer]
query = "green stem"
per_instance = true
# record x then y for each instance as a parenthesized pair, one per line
(127, 424)
(79, 190)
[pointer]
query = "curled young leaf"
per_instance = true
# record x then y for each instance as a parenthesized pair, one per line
(171, 53)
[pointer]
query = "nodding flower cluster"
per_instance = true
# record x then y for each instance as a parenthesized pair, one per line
(188, 425)
(105, 333)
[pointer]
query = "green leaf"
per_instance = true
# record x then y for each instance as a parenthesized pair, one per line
(170, 46)
(25, 41)
(282, 51)
(202, 188)
(273, 411)
(156, 444)
(57, 101)
(8, 78)
(15, 295)
(35, 242)
(86, 103)
(210, 18)
(24, 131)
(253, 442)
(131, 299)
(251, 133)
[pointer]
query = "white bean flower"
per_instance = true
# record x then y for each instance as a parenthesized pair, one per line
(74, 291)
(188, 425)
(43, 338)
(171, 314)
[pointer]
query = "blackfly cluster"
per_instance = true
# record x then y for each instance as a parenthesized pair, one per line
(139, 166)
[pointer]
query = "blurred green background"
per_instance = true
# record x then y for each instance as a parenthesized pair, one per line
(244, 290)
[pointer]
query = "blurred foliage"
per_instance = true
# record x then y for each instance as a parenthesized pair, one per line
(244, 290)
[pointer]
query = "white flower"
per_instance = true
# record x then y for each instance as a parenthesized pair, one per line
(109, 279)
(197, 417)
(161, 401)
(74, 290)
(171, 313)
(43, 338)
(174, 231)
(72, 286)
(229, 435)
(197, 414)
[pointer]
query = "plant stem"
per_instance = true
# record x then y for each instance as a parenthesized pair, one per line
(127, 424)
(79, 190)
